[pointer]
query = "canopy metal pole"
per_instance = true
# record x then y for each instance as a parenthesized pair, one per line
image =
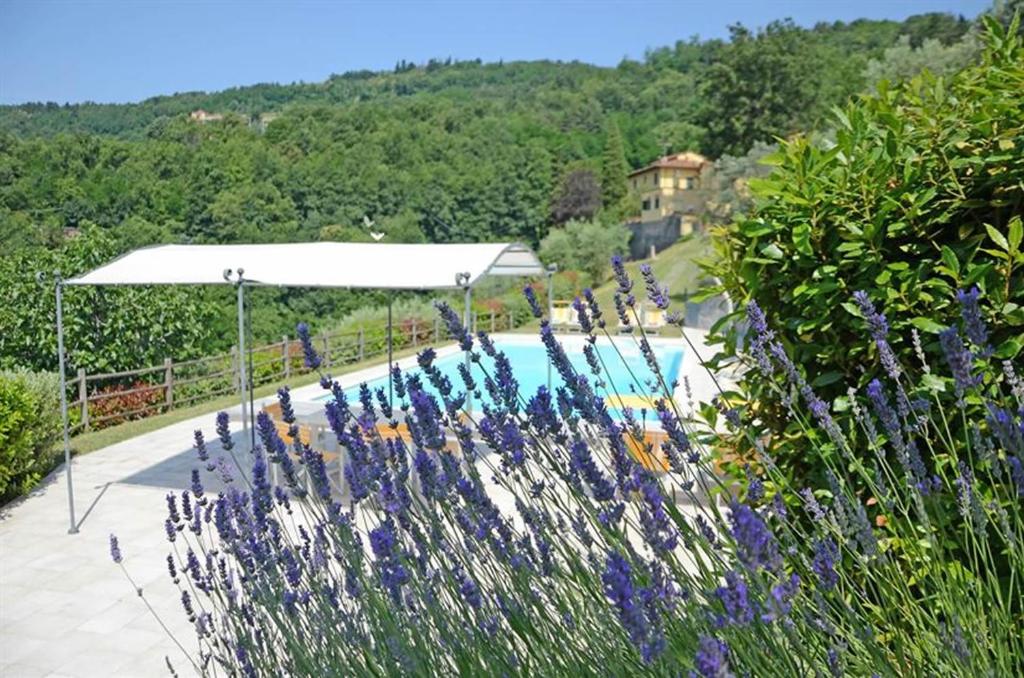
(551, 309)
(59, 283)
(241, 357)
(391, 385)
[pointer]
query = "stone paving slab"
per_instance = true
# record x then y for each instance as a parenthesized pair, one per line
(65, 608)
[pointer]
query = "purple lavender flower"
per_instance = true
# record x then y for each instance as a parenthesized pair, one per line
(284, 398)
(835, 664)
(583, 316)
(115, 549)
(780, 602)
(755, 544)
(224, 430)
(826, 553)
(621, 277)
(813, 507)
(468, 588)
(735, 599)
(621, 309)
(970, 507)
(712, 658)
(456, 330)
(1016, 473)
(531, 298)
(618, 586)
(197, 484)
(761, 337)
(310, 356)
(200, 445)
(658, 294)
(384, 544)
(971, 313)
(959, 359)
(879, 332)
(755, 486)
(582, 462)
(592, 305)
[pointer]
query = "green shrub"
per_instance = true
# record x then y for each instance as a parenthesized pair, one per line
(920, 195)
(29, 427)
(585, 246)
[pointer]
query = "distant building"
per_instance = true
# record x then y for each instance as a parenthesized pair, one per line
(671, 185)
(260, 122)
(202, 116)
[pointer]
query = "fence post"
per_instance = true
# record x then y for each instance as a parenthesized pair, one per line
(362, 345)
(414, 338)
(285, 355)
(327, 350)
(473, 323)
(169, 382)
(83, 395)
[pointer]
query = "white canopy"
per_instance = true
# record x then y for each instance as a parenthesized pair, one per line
(317, 264)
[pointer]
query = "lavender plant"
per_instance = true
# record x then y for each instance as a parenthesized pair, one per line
(526, 537)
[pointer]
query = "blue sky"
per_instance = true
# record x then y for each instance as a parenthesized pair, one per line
(110, 51)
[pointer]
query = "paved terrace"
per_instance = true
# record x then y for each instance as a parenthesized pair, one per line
(65, 608)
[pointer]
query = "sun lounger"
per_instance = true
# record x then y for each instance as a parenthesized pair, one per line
(654, 319)
(564, 318)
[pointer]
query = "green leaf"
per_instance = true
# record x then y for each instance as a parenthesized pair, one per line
(852, 309)
(1016, 233)
(934, 383)
(826, 379)
(997, 237)
(1008, 349)
(772, 251)
(927, 325)
(802, 239)
(950, 260)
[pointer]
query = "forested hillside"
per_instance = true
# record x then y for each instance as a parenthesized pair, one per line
(443, 152)
(467, 151)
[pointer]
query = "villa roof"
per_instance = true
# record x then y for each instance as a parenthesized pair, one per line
(318, 264)
(677, 161)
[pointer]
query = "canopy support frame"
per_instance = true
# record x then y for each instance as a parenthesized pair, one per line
(463, 280)
(59, 285)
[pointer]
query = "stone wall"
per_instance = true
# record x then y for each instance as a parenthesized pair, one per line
(659, 234)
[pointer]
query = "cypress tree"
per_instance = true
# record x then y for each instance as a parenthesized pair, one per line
(613, 168)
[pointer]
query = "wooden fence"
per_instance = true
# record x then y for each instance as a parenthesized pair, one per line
(96, 401)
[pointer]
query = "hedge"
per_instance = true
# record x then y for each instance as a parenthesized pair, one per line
(29, 429)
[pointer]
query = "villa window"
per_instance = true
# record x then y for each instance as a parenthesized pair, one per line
(647, 204)
(657, 203)
(690, 183)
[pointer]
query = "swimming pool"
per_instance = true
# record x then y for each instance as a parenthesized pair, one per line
(530, 366)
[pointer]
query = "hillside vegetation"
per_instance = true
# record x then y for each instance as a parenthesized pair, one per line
(439, 152)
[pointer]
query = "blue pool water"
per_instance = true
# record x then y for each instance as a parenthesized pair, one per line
(530, 367)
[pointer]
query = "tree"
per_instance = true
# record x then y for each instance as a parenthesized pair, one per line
(772, 83)
(613, 168)
(578, 197)
(106, 328)
(585, 246)
(902, 61)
